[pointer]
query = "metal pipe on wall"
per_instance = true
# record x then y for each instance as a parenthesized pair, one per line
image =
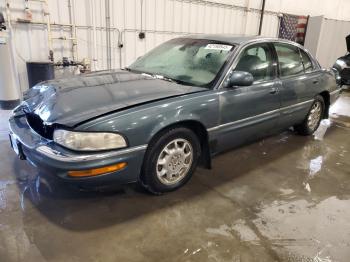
(49, 33)
(120, 46)
(108, 34)
(71, 11)
(262, 16)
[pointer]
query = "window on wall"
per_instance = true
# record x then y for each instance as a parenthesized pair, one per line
(308, 67)
(289, 60)
(257, 60)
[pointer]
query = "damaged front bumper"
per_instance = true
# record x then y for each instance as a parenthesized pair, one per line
(54, 159)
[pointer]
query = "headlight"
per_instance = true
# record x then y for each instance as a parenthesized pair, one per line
(88, 141)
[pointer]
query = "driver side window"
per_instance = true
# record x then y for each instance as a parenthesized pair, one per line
(257, 60)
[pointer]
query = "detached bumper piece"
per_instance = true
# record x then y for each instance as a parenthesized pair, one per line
(17, 147)
(100, 168)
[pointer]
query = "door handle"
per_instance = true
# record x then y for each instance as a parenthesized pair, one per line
(315, 81)
(273, 90)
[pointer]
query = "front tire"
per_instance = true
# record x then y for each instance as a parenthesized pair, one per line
(170, 160)
(313, 118)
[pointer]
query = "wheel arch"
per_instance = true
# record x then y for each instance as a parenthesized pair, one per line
(326, 97)
(199, 130)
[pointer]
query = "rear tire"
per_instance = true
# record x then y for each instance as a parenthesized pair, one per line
(170, 160)
(313, 118)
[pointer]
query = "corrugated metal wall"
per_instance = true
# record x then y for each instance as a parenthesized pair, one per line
(160, 19)
(163, 20)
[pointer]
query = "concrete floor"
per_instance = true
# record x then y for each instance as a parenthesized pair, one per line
(286, 198)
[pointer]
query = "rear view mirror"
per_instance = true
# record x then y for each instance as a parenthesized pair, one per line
(240, 78)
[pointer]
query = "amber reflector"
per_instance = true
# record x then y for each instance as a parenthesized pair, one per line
(97, 171)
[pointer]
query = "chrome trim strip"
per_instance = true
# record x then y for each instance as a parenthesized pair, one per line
(67, 157)
(295, 105)
(257, 116)
(242, 120)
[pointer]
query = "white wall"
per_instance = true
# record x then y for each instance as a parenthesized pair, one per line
(332, 9)
(326, 39)
(329, 49)
(162, 20)
(313, 34)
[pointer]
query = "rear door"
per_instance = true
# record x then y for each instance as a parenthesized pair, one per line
(299, 81)
(250, 112)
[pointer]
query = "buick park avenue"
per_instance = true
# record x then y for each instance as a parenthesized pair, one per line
(171, 110)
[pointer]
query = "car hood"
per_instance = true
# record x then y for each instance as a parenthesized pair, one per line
(73, 100)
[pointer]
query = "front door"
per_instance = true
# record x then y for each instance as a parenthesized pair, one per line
(250, 112)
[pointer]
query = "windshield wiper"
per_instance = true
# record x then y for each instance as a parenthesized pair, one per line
(161, 77)
(173, 80)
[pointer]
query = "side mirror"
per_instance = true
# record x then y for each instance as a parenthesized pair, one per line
(240, 78)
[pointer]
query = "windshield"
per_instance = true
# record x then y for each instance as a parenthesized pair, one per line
(188, 61)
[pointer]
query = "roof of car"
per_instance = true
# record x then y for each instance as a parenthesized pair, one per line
(232, 39)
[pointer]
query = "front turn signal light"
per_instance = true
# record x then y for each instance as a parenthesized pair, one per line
(97, 171)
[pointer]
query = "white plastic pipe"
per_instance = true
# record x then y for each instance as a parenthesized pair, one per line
(72, 21)
(9, 84)
(94, 64)
(9, 91)
(48, 24)
(245, 22)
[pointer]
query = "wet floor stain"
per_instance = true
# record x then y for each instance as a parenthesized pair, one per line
(328, 228)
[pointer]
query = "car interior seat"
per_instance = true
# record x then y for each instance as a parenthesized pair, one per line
(254, 65)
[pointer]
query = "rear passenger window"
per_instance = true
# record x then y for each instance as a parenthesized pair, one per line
(289, 60)
(308, 67)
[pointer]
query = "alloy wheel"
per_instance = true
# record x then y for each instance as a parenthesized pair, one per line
(174, 161)
(315, 115)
